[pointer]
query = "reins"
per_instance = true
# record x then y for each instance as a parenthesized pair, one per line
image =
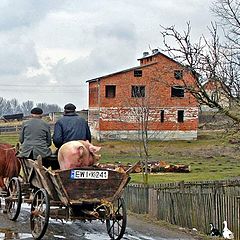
(6, 149)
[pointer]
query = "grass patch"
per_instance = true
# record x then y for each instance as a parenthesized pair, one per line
(9, 138)
(211, 156)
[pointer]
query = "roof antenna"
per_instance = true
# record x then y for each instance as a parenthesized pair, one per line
(149, 47)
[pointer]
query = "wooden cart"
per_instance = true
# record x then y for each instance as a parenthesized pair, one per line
(88, 193)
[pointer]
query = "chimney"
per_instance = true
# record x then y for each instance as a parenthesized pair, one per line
(145, 54)
(154, 51)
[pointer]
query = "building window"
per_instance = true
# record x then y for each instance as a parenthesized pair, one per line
(149, 59)
(215, 96)
(110, 91)
(162, 116)
(138, 91)
(177, 91)
(180, 115)
(178, 74)
(137, 73)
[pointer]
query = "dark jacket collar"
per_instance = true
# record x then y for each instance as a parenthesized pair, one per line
(70, 114)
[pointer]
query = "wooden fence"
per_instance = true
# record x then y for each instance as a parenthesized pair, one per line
(14, 129)
(191, 205)
(10, 129)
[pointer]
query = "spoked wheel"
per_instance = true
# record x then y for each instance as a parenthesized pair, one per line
(13, 199)
(116, 225)
(39, 216)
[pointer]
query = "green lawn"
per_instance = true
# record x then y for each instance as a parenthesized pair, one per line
(211, 157)
(9, 138)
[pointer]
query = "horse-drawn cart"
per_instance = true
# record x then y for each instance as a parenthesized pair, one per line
(88, 193)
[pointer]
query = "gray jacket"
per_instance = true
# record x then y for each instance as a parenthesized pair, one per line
(35, 137)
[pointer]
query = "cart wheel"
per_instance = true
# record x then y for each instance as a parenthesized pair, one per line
(39, 216)
(116, 225)
(13, 199)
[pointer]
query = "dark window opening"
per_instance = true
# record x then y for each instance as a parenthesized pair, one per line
(110, 91)
(137, 73)
(178, 74)
(162, 116)
(177, 91)
(215, 96)
(149, 59)
(180, 115)
(138, 91)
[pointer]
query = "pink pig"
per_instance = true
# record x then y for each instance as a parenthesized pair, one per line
(77, 154)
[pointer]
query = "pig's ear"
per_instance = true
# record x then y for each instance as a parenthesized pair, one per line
(80, 148)
(94, 149)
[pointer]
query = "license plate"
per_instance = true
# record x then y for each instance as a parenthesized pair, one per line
(88, 174)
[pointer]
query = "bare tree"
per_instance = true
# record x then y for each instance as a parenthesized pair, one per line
(15, 106)
(47, 108)
(2, 105)
(12, 106)
(141, 111)
(141, 115)
(137, 112)
(228, 12)
(54, 108)
(26, 107)
(214, 58)
(8, 107)
(43, 106)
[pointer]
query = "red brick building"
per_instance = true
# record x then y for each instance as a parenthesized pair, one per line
(153, 91)
(218, 92)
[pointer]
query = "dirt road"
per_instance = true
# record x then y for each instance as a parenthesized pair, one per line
(137, 229)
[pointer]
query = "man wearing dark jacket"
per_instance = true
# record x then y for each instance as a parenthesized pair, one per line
(70, 127)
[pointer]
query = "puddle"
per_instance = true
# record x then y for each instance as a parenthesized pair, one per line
(75, 230)
(6, 234)
(59, 237)
(13, 235)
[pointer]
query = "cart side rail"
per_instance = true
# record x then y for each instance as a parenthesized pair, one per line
(38, 176)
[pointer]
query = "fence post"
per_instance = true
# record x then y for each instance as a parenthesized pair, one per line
(153, 203)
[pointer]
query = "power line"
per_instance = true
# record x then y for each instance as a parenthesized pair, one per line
(49, 86)
(43, 88)
(40, 91)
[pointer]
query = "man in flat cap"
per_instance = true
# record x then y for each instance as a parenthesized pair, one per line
(70, 127)
(35, 136)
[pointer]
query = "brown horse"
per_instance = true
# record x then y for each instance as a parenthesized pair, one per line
(9, 163)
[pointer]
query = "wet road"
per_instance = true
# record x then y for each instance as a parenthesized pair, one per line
(137, 229)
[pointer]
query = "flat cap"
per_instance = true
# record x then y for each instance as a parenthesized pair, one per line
(70, 107)
(37, 110)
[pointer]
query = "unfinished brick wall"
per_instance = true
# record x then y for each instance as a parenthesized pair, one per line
(119, 116)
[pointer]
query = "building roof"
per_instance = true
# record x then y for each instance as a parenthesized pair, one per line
(119, 72)
(145, 55)
(154, 52)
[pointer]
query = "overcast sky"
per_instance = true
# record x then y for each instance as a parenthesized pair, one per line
(49, 48)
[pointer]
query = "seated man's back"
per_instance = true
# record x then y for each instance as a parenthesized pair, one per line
(70, 127)
(35, 136)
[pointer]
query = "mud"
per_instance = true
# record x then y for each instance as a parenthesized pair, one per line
(138, 228)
